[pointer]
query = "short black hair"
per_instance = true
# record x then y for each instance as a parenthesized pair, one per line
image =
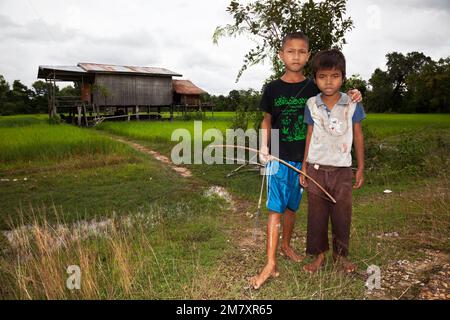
(294, 35)
(329, 59)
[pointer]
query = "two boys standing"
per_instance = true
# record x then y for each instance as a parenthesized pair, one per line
(317, 125)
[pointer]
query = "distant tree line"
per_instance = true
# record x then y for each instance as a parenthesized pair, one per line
(412, 83)
(19, 99)
(247, 100)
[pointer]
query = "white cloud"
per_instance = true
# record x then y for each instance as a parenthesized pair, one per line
(177, 35)
(404, 26)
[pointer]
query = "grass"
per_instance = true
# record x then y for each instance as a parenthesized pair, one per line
(216, 115)
(30, 141)
(373, 216)
(158, 131)
(88, 192)
(55, 195)
(388, 125)
(133, 259)
(165, 240)
(22, 120)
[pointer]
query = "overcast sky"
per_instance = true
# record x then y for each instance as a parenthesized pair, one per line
(177, 35)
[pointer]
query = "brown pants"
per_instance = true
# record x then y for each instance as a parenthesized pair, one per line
(338, 182)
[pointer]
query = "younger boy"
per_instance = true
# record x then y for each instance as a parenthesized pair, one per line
(334, 122)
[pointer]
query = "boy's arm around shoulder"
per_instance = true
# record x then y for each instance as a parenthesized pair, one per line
(355, 95)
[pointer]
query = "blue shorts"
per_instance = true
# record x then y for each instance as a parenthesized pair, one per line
(283, 188)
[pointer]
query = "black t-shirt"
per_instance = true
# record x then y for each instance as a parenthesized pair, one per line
(286, 103)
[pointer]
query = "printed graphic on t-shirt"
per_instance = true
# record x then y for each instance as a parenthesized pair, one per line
(292, 126)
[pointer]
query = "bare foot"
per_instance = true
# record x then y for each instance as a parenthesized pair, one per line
(289, 253)
(315, 265)
(344, 263)
(268, 271)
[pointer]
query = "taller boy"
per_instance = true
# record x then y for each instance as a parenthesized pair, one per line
(283, 103)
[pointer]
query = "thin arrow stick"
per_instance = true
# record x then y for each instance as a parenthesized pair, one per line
(272, 157)
(241, 166)
(247, 161)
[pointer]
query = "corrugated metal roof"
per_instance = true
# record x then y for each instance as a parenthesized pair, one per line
(68, 73)
(108, 68)
(186, 87)
(63, 68)
(62, 73)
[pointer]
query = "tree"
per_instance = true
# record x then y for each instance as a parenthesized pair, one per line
(4, 89)
(69, 91)
(412, 83)
(234, 99)
(355, 82)
(379, 98)
(39, 102)
(266, 22)
(245, 103)
(439, 84)
(20, 96)
(399, 67)
(219, 102)
(40, 88)
(205, 97)
(429, 90)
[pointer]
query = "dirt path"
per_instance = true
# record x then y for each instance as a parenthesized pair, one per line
(184, 172)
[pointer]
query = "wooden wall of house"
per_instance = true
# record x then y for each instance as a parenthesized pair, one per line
(129, 90)
(86, 92)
